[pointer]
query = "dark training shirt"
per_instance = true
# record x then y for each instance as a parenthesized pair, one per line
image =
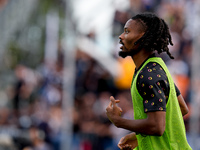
(153, 86)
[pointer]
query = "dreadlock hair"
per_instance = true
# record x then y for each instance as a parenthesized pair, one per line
(157, 36)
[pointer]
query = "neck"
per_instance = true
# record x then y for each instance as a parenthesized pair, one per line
(140, 57)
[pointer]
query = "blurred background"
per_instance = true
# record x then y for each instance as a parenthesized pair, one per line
(59, 65)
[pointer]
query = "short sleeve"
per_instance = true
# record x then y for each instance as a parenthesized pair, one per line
(155, 99)
(153, 86)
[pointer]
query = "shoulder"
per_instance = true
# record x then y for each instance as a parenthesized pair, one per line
(150, 76)
(152, 85)
(150, 72)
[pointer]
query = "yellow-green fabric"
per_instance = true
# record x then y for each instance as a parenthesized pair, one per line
(174, 137)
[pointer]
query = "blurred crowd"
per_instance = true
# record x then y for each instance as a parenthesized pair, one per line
(31, 115)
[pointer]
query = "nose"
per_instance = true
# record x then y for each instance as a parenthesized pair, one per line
(120, 37)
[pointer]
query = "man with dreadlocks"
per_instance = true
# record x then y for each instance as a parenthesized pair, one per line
(157, 103)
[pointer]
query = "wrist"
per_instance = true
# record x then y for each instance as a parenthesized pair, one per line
(132, 136)
(117, 121)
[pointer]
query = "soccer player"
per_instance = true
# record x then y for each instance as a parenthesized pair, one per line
(157, 103)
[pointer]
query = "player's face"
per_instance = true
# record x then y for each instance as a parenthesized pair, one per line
(130, 35)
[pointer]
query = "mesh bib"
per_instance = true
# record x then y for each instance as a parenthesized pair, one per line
(174, 137)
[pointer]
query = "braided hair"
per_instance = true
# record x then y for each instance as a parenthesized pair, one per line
(157, 36)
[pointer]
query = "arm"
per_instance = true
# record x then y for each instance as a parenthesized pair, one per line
(154, 124)
(182, 104)
(181, 101)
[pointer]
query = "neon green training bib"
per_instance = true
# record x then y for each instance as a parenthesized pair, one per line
(174, 137)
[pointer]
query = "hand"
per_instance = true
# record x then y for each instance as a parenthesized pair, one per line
(113, 111)
(128, 142)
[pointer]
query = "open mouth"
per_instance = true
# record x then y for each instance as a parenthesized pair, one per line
(120, 42)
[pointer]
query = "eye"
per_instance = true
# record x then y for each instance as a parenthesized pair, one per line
(126, 31)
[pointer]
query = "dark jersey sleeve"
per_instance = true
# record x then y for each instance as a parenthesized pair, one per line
(153, 86)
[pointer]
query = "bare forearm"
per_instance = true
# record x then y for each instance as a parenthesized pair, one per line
(184, 111)
(154, 124)
(183, 105)
(142, 126)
